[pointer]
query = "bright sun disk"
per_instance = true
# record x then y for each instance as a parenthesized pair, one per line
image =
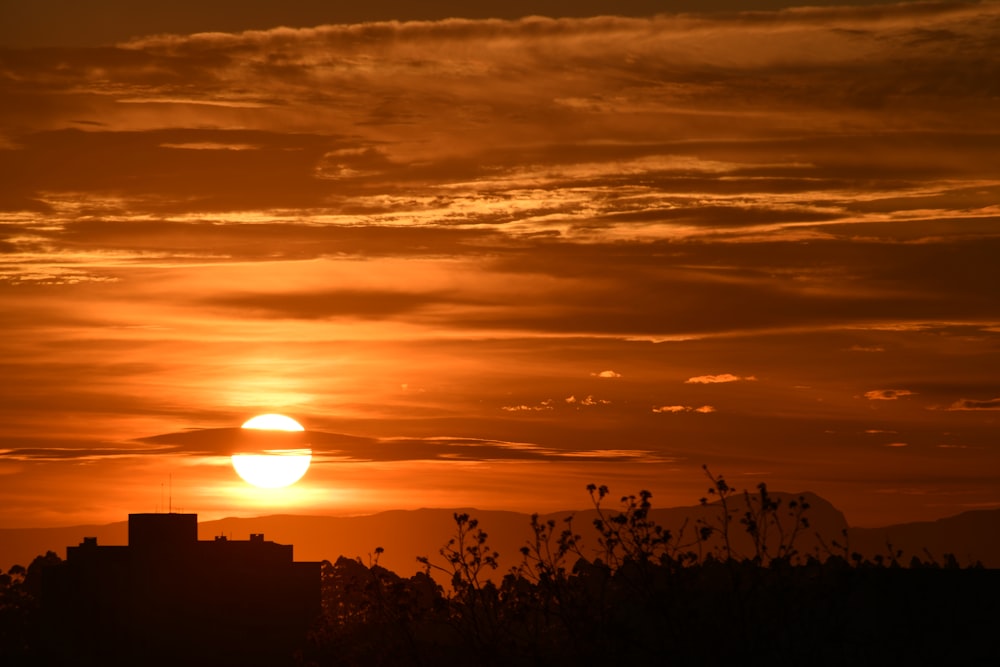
(273, 468)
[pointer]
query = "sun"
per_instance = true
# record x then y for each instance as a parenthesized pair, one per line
(272, 422)
(273, 470)
(272, 459)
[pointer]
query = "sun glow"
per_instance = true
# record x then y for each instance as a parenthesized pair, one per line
(271, 464)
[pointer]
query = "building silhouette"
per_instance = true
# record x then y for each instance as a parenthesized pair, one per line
(170, 598)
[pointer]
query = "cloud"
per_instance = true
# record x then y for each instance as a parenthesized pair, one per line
(344, 448)
(705, 409)
(672, 408)
(588, 401)
(79, 452)
(368, 304)
(356, 95)
(40, 24)
(718, 379)
(540, 407)
(607, 374)
(888, 394)
(619, 454)
(967, 404)
(211, 146)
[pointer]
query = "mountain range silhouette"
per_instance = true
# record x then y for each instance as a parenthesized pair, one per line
(404, 535)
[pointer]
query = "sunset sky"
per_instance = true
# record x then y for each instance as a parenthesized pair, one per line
(487, 261)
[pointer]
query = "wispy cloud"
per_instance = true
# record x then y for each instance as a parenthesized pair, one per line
(607, 374)
(587, 402)
(345, 448)
(719, 379)
(967, 404)
(538, 407)
(888, 394)
(352, 97)
(705, 409)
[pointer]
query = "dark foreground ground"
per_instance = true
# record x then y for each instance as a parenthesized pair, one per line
(707, 613)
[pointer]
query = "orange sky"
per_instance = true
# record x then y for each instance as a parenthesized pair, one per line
(488, 261)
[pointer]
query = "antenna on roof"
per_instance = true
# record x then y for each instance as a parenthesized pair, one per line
(171, 505)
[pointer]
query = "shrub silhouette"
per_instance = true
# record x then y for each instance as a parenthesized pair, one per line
(644, 592)
(22, 625)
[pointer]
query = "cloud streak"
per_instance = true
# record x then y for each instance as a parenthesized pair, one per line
(345, 448)
(888, 394)
(718, 379)
(965, 405)
(673, 409)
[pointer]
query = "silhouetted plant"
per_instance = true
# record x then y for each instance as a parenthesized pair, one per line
(21, 621)
(894, 554)
(762, 519)
(844, 548)
(466, 555)
(565, 603)
(17, 609)
(629, 535)
(723, 491)
(474, 599)
(371, 616)
(545, 558)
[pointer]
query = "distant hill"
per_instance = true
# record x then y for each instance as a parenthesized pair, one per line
(970, 536)
(19, 546)
(406, 534)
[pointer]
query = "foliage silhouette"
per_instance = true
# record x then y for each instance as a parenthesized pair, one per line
(21, 621)
(646, 593)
